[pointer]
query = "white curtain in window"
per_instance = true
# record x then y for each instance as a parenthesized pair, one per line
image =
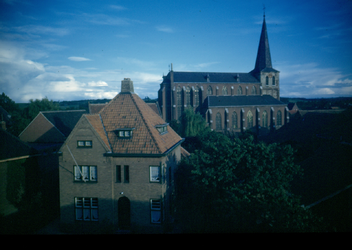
(85, 173)
(93, 173)
(154, 173)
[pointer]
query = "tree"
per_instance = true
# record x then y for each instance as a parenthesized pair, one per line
(35, 106)
(17, 121)
(238, 185)
(191, 123)
(21, 118)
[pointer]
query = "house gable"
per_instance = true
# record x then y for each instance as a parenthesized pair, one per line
(86, 130)
(41, 130)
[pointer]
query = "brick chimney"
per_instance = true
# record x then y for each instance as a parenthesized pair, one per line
(127, 86)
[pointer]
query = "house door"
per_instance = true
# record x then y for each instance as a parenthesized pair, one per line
(124, 214)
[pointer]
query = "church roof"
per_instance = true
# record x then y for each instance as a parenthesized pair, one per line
(213, 77)
(226, 101)
(263, 61)
(127, 111)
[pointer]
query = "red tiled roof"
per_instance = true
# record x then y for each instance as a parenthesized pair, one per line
(128, 110)
(94, 108)
(95, 121)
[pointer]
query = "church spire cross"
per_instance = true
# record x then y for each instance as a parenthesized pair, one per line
(264, 10)
(263, 56)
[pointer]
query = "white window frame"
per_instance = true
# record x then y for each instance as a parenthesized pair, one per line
(152, 177)
(85, 173)
(155, 211)
(86, 209)
(125, 133)
(84, 143)
(162, 128)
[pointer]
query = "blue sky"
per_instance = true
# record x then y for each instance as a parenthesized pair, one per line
(74, 50)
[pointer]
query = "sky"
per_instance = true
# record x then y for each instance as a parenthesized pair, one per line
(76, 50)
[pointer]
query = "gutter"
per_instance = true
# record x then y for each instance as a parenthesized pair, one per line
(27, 156)
(111, 154)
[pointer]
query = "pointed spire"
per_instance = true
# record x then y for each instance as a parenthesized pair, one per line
(263, 56)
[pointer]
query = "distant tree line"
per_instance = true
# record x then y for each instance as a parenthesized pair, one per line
(320, 103)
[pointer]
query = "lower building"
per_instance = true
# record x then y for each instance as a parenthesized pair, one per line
(259, 114)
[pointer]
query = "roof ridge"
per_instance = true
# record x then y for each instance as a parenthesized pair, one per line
(106, 134)
(144, 120)
(85, 115)
(213, 72)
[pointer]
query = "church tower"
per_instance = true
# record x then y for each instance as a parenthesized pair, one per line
(263, 71)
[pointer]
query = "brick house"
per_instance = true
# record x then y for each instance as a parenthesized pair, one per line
(250, 93)
(116, 169)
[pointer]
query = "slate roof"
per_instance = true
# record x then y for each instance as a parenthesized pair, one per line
(64, 121)
(128, 110)
(11, 146)
(226, 101)
(94, 108)
(214, 77)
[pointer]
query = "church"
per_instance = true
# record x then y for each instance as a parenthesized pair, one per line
(230, 102)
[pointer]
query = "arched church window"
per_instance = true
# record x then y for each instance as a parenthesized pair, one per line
(265, 119)
(188, 96)
(218, 121)
(224, 90)
(279, 118)
(267, 80)
(210, 90)
(273, 79)
(196, 97)
(254, 90)
(234, 120)
(239, 90)
(179, 101)
(250, 119)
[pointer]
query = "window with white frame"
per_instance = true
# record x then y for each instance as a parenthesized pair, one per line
(86, 209)
(85, 173)
(162, 128)
(155, 211)
(154, 173)
(124, 132)
(84, 144)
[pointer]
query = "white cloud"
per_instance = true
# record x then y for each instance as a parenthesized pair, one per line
(117, 7)
(101, 95)
(78, 59)
(103, 19)
(311, 81)
(98, 83)
(164, 28)
(39, 29)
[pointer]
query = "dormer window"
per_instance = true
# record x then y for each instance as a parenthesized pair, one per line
(162, 128)
(124, 132)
